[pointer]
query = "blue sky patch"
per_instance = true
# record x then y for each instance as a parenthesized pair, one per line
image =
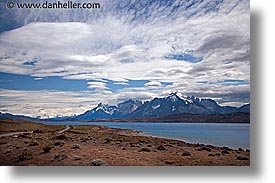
(185, 57)
(30, 63)
(25, 82)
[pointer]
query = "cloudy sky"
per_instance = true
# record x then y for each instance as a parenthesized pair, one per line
(64, 62)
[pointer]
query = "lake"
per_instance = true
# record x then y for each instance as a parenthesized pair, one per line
(218, 134)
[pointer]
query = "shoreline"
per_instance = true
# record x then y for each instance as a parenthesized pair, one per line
(100, 121)
(237, 117)
(117, 147)
(195, 143)
(157, 135)
(141, 133)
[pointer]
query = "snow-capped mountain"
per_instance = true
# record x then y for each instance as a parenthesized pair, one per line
(169, 105)
(103, 111)
(165, 106)
(128, 107)
(173, 104)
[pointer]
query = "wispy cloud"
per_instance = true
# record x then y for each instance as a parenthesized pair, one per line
(45, 102)
(153, 84)
(181, 42)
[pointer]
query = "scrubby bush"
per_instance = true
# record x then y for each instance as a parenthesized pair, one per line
(59, 143)
(33, 143)
(26, 155)
(37, 131)
(47, 148)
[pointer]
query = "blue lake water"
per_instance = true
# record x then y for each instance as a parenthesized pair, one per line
(218, 134)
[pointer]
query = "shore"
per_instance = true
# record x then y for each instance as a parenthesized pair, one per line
(44, 145)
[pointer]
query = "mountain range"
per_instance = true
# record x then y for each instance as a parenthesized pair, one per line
(170, 106)
(17, 117)
(166, 106)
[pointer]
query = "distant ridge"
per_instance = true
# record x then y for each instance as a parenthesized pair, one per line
(18, 117)
(165, 106)
(157, 109)
(187, 118)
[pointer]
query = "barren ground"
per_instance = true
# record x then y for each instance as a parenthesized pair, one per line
(81, 145)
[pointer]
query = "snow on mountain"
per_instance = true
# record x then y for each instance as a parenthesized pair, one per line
(128, 107)
(103, 111)
(172, 97)
(169, 105)
(105, 108)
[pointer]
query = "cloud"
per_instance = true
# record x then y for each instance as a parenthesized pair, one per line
(182, 42)
(99, 87)
(53, 102)
(153, 84)
(38, 78)
(91, 47)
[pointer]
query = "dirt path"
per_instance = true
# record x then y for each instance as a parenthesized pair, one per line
(14, 133)
(18, 133)
(66, 129)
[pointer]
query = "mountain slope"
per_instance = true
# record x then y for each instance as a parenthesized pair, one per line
(104, 111)
(101, 111)
(15, 117)
(175, 105)
(169, 105)
(245, 108)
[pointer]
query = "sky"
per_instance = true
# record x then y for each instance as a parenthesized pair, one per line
(64, 62)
